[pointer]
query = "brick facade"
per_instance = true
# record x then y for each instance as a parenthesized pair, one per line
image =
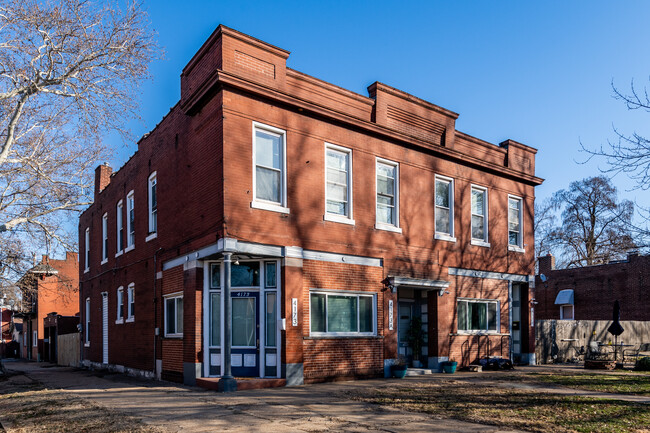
(202, 155)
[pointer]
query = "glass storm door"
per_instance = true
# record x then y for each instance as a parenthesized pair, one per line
(245, 334)
(405, 314)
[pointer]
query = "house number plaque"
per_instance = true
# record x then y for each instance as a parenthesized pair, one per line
(294, 311)
(390, 315)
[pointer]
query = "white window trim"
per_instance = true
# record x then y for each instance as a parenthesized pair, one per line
(86, 330)
(475, 332)
(344, 293)
(104, 238)
(129, 247)
(130, 296)
(120, 295)
(152, 234)
(87, 251)
(344, 219)
(165, 298)
(573, 312)
(485, 241)
(516, 248)
(442, 235)
(262, 204)
(119, 224)
(380, 225)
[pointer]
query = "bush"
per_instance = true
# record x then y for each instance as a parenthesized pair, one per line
(643, 364)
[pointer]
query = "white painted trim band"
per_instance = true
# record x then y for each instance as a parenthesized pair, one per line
(490, 275)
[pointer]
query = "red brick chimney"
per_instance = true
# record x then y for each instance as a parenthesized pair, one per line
(546, 264)
(102, 178)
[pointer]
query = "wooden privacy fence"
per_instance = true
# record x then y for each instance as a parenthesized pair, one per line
(68, 349)
(564, 340)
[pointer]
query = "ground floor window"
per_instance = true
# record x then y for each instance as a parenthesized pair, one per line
(174, 316)
(478, 315)
(340, 313)
(566, 312)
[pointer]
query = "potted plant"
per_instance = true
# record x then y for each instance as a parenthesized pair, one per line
(415, 337)
(398, 369)
(449, 366)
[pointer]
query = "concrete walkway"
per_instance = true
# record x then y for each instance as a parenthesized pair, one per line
(310, 408)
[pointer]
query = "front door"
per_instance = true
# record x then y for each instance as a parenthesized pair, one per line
(405, 316)
(245, 334)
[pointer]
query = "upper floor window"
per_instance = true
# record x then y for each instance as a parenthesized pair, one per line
(444, 208)
(120, 305)
(153, 206)
(338, 184)
(104, 238)
(269, 171)
(130, 221)
(515, 238)
(130, 303)
(119, 216)
(479, 216)
(87, 250)
(387, 212)
(476, 315)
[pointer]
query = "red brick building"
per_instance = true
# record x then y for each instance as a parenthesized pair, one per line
(344, 216)
(589, 293)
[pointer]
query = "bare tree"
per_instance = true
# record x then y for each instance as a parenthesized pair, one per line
(595, 226)
(68, 74)
(545, 219)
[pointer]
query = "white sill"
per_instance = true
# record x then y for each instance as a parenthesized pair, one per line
(388, 228)
(338, 219)
(86, 344)
(269, 206)
(460, 332)
(179, 336)
(130, 320)
(127, 249)
(516, 249)
(151, 237)
(104, 261)
(119, 321)
(86, 270)
(480, 243)
(119, 253)
(444, 237)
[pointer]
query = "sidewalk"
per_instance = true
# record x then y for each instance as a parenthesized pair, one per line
(313, 408)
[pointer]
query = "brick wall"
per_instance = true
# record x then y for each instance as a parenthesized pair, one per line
(330, 358)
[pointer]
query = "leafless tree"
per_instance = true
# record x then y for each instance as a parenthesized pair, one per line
(545, 220)
(595, 226)
(69, 70)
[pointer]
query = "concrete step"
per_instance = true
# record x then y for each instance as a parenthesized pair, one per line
(418, 371)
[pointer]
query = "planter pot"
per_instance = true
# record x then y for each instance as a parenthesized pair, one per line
(449, 367)
(398, 371)
(417, 363)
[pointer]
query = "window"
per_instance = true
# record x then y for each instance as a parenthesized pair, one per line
(387, 212)
(338, 184)
(120, 227)
(269, 172)
(120, 305)
(130, 221)
(87, 327)
(478, 316)
(131, 303)
(566, 312)
(479, 216)
(341, 313)
(104, 238)
(174, 316)
(87, 250)
(35, 339)
(444, 199)
(515, 238)
(153, 207)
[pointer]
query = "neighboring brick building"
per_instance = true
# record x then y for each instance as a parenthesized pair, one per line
(589, 293)
(345, 216)
(51, 286)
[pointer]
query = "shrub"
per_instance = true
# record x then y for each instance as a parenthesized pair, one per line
(643, 364)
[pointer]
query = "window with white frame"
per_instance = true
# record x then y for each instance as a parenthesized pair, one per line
(105, 238)
(87, 250)
(477, 315)
(566, 312)
(130, 221)
(269, 171)
(342, 313)
(130, 303)
(174, 315)
(87, 327)
(444, 208)
(153, 204)
(120, 305)
(515, 238)
(387, 211)
(338, 183)
(479, 215)
(119, 215)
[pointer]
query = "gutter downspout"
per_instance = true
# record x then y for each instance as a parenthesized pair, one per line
(156, 332)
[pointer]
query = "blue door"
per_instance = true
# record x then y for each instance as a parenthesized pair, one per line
(245, 334)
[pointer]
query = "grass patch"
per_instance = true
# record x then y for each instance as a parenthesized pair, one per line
(518, 409)
(615, 383)
(31, 408)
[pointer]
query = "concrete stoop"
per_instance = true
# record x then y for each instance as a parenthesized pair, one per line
(418, 371)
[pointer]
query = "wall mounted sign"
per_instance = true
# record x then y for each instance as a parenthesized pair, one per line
(294, 311)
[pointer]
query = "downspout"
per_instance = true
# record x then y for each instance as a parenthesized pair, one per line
(155, 311)
(510, 345)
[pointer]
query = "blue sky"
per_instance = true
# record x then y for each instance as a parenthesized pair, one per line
(535, 72)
